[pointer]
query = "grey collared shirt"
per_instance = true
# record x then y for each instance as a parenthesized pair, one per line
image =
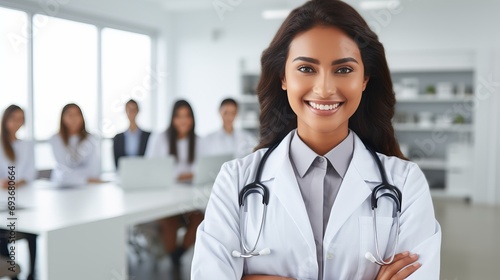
(319, 179)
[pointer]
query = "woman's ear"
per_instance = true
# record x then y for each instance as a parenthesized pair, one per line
(365, 82)
(283, 83)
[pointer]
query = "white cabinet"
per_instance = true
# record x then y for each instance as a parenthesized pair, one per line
(434, 123)
(459, 166)
(249, 108)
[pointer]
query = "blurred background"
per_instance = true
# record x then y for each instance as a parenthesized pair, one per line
(444, 58)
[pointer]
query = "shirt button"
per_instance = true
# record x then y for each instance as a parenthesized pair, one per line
(320, 159)
(329, 256)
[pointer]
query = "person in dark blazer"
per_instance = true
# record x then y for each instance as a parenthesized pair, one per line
(133, 141)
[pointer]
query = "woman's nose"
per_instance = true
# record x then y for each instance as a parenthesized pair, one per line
(324, 85)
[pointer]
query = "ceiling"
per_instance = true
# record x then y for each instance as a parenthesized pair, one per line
(193, 5)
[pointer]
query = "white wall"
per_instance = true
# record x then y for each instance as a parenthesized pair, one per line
(209, 55)
(497, 163)
(208, 69)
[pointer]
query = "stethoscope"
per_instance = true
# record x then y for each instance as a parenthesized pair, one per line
(256, 187)
(392, 192)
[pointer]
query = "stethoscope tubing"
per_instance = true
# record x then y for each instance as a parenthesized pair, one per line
(257, 187)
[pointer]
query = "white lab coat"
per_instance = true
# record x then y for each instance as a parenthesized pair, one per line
(239, 143)
(77, 162)
(287, 230)
(24, 164)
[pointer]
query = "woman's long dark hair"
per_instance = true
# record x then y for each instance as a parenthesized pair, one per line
(172, 133)
(372, 120)
(5, 134)
(63, 130)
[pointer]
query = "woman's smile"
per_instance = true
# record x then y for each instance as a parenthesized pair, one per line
(324, 108)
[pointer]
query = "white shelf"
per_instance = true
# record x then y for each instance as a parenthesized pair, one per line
(447, 128)
(249, 124)
(249, 98)
(425, 98)
(432, 164)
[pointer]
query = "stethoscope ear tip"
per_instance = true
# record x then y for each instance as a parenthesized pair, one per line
(265, 251)
(236, 254)
(369, 256)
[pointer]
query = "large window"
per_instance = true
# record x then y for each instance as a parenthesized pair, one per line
(13, 60)
(73, 62)
(64, 64)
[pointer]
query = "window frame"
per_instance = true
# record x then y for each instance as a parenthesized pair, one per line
(56, 9)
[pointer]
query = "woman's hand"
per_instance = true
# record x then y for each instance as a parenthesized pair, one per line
(4, 184)
(395, 271)
(265, 277)
(95, 181)
(21, 182)
(185, 177)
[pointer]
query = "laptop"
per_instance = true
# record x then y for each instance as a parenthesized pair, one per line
(137, 173)
(207, 168)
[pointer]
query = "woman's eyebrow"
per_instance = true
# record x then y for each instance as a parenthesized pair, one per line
(306, 59)
(344, 60)
(335, 62)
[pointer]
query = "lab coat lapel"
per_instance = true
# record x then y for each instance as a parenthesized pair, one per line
(286, 189)
(353, 191)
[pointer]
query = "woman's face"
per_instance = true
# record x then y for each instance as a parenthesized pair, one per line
(228, 113)
(183, 122)
(15, 121)
(324, 80)
(73, 120)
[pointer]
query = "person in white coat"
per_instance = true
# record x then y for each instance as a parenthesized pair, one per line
(180, 141)
(15, 152)
(325, 94)
(228, 139)
(17, 168)
(75, 150)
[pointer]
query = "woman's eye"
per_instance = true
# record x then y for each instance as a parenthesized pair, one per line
(306, 69)
(344, 70)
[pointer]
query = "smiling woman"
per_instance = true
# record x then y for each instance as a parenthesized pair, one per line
(327, 164)
(324, 85)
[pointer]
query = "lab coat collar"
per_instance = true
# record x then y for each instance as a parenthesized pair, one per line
(353, 192)
(362, 160)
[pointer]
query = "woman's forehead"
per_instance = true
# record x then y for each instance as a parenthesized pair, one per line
(324, 41)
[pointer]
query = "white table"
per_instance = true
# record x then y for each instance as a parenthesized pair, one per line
(82, 232)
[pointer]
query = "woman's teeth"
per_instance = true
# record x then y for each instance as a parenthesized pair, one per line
(324, 107)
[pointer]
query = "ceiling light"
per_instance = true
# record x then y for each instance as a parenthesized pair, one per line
(378, 5)
(275, 14)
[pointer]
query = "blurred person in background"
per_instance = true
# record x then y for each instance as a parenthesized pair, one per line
(180, 141)
(228, 139)
(76, 151)
(134, 140)
(18, 154)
